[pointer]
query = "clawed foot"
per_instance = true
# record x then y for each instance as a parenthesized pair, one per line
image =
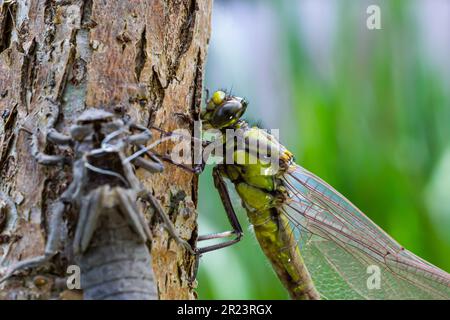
(185, 245)
(26, 264)
(184, 117)
(192, 278)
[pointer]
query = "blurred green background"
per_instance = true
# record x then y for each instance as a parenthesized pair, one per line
(366, 110)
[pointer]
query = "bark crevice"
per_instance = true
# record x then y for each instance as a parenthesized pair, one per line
(141, 55)
(7, 24)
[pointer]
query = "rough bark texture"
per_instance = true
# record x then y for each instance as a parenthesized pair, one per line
(144, 58)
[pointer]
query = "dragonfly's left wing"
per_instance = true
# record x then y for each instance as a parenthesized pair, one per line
(343, 249)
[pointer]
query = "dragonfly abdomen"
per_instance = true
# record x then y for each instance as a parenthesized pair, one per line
(116, 264)
(277, 240)
(119, 270)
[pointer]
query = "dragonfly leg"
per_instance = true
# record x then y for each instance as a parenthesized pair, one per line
(134, 215)
(58, 138)
(139, 138)
(218, 235)
(232, 218)
(53, 136)
(172, 232)
(197, 169)
(147, 196)
(201, 251)
(51, 248)
(154, 165)
(231, 215)
(43, 158)
(174, 134)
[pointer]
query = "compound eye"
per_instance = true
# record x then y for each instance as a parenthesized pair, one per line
(218, 97)
(226, 114)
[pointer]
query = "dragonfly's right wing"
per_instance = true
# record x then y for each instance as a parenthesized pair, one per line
(348, 255)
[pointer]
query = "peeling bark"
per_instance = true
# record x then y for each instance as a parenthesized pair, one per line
(143, 59)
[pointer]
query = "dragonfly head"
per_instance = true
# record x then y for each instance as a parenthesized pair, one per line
(223, 110)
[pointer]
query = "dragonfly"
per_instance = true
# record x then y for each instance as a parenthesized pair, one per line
(110, 244)
(319, 244)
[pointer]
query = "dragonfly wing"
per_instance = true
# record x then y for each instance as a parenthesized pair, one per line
(348, 255)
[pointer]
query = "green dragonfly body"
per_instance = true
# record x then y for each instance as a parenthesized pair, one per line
(319, 244)
(262, 196)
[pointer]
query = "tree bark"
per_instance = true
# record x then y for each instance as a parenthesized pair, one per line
(141, 58)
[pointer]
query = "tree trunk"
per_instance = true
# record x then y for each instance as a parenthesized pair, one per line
(141, 58)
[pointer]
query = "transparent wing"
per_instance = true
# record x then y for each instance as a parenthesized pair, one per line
(349, 256)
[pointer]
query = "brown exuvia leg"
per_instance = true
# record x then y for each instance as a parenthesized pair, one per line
(147, 196)
(51, 248)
